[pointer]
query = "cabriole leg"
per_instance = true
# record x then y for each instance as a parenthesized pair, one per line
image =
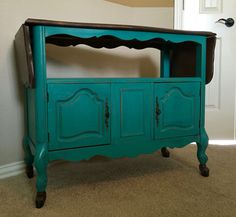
(201, 154)
(29, 158)
(41, 162)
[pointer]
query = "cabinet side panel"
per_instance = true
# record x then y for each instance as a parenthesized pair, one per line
(31, 115)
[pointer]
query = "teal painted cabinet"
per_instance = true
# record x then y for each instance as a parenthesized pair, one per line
(132, 113)
(77, 118)
(177, 110)
(78, 115)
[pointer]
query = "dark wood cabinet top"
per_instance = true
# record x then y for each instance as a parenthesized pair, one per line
(33, 22)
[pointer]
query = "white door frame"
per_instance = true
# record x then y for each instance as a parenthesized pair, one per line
(178, 20)
(178, 13)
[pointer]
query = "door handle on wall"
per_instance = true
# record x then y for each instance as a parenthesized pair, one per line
(228, 22)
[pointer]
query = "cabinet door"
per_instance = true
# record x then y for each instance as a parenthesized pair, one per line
(131, 113)
(177, 107)
(78, 115)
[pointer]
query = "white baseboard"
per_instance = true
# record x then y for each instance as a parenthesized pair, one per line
(12, 169)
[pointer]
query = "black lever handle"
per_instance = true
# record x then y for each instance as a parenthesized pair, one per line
(158, 111)
(107, 114)
(228, 22)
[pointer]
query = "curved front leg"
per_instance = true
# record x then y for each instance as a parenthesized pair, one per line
(201, 153)
(29, 158)
(41, 162)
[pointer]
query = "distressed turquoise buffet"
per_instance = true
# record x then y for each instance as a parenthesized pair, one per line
(77, 118)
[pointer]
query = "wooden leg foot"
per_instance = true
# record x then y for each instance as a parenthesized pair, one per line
(165, 152)
(40, 199)
(204, 170)
(30, 171)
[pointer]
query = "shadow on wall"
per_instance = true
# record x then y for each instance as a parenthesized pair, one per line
(16, 76)
(84, 61)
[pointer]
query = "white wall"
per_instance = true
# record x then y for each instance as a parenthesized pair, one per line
(14, 12)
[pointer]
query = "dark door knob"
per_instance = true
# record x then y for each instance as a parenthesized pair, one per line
(228, 22)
